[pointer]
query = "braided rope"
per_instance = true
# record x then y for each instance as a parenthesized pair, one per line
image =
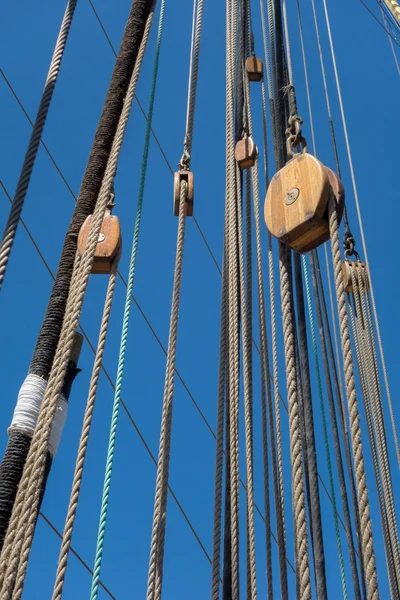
(22, 523)
(325, 428)
(248, 387)
(155, 576)
(193, 78)
(367, 544)
(84, 439)
(299, 507)
(35, 139)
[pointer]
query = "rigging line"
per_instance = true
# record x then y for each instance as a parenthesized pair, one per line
(75, 553)
(124, 406)
(379, 23)
(21, 191)
(364, 245)
(324, 422)
(303, 52)
(127, 310)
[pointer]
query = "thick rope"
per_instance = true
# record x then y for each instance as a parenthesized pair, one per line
(84, 440)
(299, 506)
(127, 307)
(35, 139)
(325, 428)
(325, 336)
(27, 498)
(155, 576)
(364, 245)
(362, 491)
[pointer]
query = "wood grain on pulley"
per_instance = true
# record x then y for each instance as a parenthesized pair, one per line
(108, 245)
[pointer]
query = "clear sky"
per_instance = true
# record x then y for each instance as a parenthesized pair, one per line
(370, 86)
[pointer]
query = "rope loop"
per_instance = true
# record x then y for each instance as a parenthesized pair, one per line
(294, 137)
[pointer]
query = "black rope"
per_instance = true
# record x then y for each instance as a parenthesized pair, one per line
(336, 438)
(342, 416)
(13, 463)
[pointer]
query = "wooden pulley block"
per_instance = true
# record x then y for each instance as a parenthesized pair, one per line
(358, 267)
(296, 203)
(254, 68)
(246, 152)
(188, 177)
(338, 191)
(108, 245)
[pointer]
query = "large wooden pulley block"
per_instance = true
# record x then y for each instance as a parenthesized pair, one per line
(246, 152)
(187, 176)
(296, 205)
(358, 268)
(108, 245)
(254, 68)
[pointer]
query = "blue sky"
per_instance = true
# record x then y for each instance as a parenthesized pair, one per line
(370, 87)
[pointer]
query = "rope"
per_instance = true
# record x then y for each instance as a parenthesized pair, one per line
(299, 507)
(154, 583)
(192, 86)
(35, 139)
(84, 440)
(390, 41)
(321, 314)
(128, 302)
(22, 524)
(368, 355)
(392, 418)
(366, 526)
(326, 441)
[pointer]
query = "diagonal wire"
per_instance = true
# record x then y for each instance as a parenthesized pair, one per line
(378, 21)
(74, 552)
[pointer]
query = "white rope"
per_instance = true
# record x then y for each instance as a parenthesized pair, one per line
(27, 410)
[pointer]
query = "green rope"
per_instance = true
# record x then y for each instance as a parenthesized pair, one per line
(328, 453)
(125, 324)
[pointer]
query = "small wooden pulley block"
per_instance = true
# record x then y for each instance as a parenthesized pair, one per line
(188, 177)
(357, 267)
(296, 205)
(108, 245)
(254, 68)
(245, 152)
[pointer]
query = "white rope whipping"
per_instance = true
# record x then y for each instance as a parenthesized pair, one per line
(28, 406)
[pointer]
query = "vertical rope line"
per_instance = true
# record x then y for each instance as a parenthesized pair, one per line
(319, 302)
(299, 506)
(35, 139)
(367, 388)
(24, 518)
(359, 344)
(364, 245)
(320, 296)
(156, 564)
(373, 379)
(287, 40)
(324, 424)
(84, 439)
(128, 303)
(247, 379)
(362, 490)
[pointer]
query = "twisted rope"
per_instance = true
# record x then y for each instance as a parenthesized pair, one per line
(35, 139)
(367, 545)
(84, 439)
(192, 86)
(128, 304)
(154, 582)
(22, 523)
(299, 507)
